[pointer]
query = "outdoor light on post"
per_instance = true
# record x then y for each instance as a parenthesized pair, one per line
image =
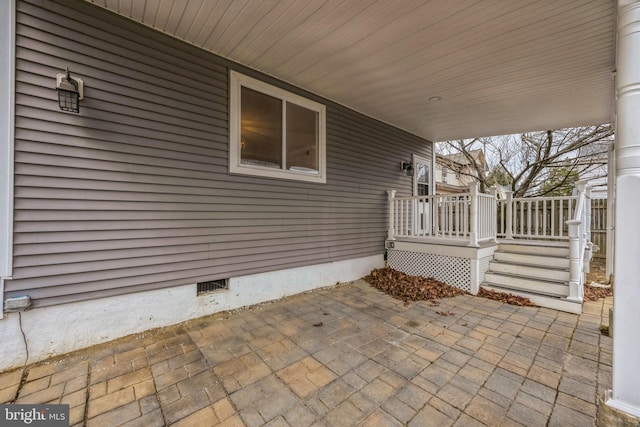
(70, 92)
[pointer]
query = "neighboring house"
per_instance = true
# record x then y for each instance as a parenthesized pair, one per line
(454, 172)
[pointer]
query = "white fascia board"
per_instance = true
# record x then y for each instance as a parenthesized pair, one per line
(7, 85)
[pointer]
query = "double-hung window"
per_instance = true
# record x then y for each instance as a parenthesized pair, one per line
(275, 133)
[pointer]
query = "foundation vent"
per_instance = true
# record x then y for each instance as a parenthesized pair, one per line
(212, 286)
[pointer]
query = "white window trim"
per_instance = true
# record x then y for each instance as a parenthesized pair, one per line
(237, 81)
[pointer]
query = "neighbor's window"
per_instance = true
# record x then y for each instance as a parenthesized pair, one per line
(275, 133)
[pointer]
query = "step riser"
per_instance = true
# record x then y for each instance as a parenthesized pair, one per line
(535, 260)
(539, 272)
(527, 285)
(534, 250)
(548, 302)
(529, 271)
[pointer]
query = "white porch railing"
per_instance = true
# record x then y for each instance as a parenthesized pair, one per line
(463, 218)
(539, 218)
(472, 218)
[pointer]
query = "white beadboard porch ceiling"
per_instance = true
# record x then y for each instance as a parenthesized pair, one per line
(497, 66)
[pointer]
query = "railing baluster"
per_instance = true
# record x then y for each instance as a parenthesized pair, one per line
(450, 217)
(521, 218)
(403, 228)
(422, 215)
(434, 217)
(544, 217)
(534, 218)
(528, 217)
(443, 220)
(456, 216)
(411, 225)
(553, 221)
(562, 220)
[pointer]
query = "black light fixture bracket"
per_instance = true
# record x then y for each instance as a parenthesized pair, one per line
(70, 92)
(406, 167)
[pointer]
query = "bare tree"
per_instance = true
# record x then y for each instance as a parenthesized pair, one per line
(536, 163)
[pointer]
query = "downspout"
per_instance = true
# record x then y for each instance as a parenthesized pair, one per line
(7, 82)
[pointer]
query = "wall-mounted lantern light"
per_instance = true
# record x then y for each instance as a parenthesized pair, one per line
(406, 167)
(70, 92)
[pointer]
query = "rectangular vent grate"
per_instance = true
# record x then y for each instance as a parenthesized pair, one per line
(212, 286)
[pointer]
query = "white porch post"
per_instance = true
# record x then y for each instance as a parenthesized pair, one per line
(509, 215)
(625, 395)
(473, 215)
(390, 233)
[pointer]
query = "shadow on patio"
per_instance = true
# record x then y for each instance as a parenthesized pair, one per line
(347, 355)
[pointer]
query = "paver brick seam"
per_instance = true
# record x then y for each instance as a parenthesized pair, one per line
(23, 380)
(34, 386)
(431, 417)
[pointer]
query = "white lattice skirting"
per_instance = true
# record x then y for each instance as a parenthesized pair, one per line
(453, 271)
(461, 272)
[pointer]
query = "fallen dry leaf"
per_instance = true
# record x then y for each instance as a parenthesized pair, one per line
(411, 288)
(594, 293)
(505, 298)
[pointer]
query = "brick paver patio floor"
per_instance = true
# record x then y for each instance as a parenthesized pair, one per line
(342, 356)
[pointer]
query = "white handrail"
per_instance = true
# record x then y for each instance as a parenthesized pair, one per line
(579, 242)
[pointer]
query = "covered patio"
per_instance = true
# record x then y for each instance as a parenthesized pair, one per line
(341, 356)
(434, 70)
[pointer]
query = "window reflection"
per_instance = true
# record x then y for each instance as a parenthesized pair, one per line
(261, 129)
(302, 139)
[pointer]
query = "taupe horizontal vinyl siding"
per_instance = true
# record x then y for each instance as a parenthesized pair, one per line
(134, 193)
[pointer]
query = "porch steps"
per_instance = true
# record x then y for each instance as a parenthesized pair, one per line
(524, 284)
(522, 267)
(546, 248)
(535, 270)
